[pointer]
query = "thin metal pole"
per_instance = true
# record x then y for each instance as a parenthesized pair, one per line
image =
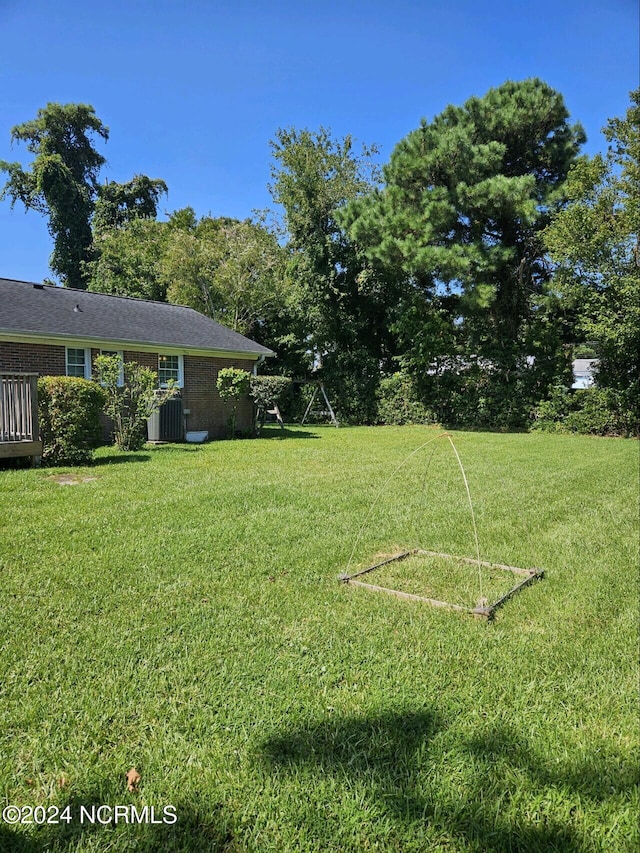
(326, 399)
(313, 397)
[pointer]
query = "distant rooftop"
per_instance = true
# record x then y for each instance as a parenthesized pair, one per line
(583, 370)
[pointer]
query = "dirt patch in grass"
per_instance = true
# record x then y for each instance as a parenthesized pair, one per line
(70, 479)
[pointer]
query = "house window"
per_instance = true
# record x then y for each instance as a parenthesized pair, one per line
(170, 367)
(120, 355)
(79, 363)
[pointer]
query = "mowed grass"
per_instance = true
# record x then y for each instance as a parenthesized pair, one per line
(181, 614)
(446, 579)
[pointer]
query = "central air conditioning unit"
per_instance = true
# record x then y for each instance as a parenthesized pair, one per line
(167, 422)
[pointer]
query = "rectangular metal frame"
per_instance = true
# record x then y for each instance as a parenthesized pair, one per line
(487, 612)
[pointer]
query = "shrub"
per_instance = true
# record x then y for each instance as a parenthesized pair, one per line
(267, 392)
(398, 402)
(550, 415)
(351, 379)
(600, 411)
(69, 413)
(131, 396)
(589, 411)
(232, 384)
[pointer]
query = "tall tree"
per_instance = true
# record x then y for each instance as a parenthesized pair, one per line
(594, 242)
(61, 181)
(314, 178)
(117, 204)
(230, 270)
(127, 261)
(459, 218)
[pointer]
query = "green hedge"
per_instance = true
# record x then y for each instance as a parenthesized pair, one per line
(590, 411)
(69, 413)
(398, 402)
(269, 391)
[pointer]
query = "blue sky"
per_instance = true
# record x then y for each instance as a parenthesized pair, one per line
(193, 91)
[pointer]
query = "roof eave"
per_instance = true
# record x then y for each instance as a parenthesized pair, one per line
(139, 346)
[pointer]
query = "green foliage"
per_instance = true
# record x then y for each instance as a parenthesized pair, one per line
(344, 301)
(62, 180)
(128, 261)
(474, 394)
(586, 350)
(352, 375)
(458, 224)
(69, 416)
(131, 396)
(62, 183)
(594, 241)
(118, 204)
(232, 271)
(589, 411)
(399, 403)
(233, 384)
(269, 391)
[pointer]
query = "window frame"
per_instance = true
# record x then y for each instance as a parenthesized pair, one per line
(86, 364)
(179, 379)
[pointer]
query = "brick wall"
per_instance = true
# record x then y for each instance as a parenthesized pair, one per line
(33, 358)
(206, 410)
(200, 396)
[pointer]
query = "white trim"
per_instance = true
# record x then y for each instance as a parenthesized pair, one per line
(133, 346)
(180, 380)
(87, 361)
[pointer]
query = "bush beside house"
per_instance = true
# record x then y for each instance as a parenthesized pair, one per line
(232, 385)
(131, 395)
(69, 414)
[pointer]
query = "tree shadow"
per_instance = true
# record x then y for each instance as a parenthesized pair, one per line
(273, 431)
(596, 777)
(391, 755)
(119, 457)
(187, 447)
(198, 828)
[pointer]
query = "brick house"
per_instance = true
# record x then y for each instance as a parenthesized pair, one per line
(55, 331)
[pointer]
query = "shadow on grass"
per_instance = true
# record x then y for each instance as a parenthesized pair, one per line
(187, 447)
(118, 457)
(273, 431)
(201, 830)
(595, 777)
(391, 756)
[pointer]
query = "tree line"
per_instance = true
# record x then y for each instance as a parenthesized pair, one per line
(458, 281)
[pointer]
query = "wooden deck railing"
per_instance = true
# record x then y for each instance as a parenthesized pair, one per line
(19, 433)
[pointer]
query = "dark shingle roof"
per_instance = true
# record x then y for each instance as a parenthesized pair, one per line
(45, 311)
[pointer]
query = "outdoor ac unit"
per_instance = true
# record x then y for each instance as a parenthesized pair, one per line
(167, 422)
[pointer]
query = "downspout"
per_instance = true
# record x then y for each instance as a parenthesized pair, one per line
(261, 360)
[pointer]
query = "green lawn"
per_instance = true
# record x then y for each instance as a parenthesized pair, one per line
(178, 612)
